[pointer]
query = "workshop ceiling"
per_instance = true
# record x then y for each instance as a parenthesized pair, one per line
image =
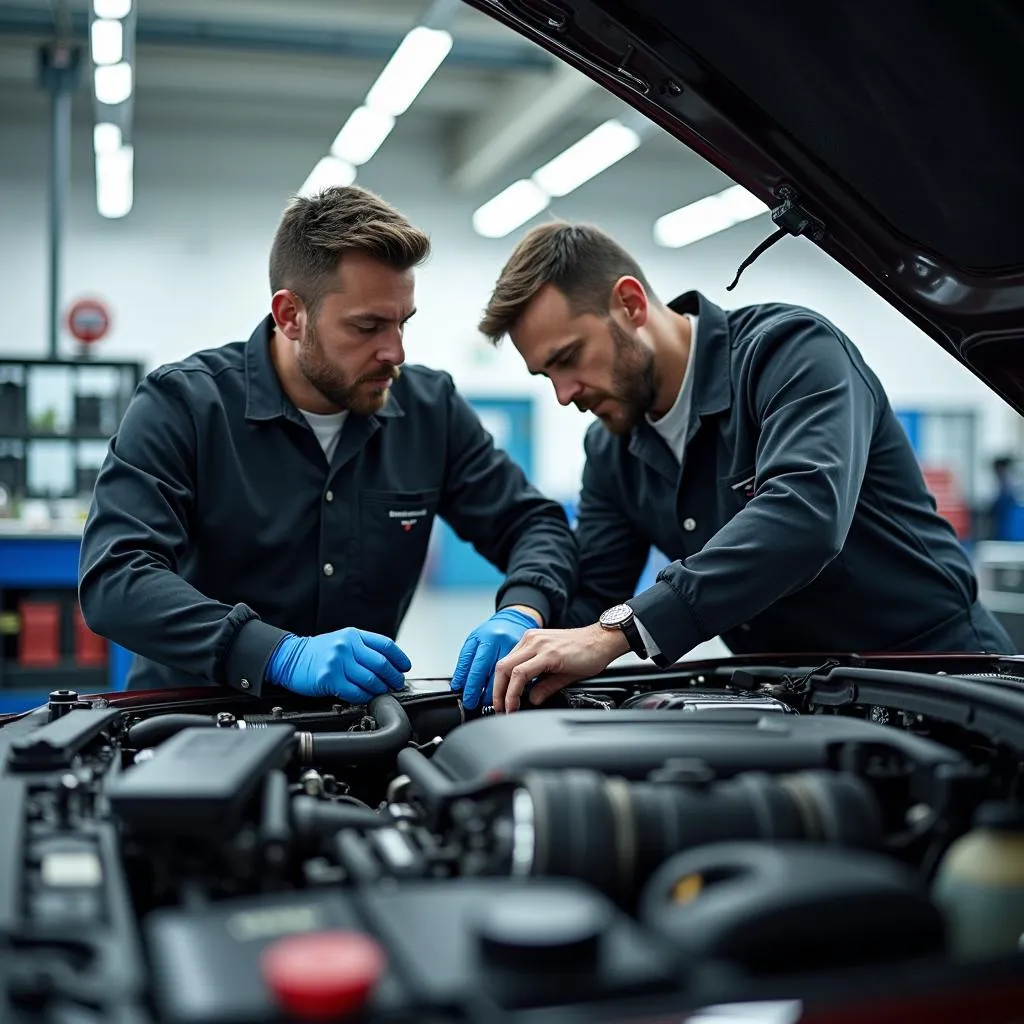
(293, 68)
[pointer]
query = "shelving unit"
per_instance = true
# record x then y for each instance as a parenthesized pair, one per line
(56, 419)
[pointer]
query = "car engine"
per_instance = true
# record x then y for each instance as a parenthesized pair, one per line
(644, 845)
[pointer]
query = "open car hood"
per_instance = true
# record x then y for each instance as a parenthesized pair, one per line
(889, 134)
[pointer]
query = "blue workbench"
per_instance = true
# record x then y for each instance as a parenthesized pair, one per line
(47, 560)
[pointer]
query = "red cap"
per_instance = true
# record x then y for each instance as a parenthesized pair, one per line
(323, 974)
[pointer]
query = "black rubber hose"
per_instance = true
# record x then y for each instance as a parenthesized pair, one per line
(275, 824)
(155, 730)
(392, 733)
(313, 818)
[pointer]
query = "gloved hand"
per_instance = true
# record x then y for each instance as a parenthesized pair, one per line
(349, 663)
(483, 649)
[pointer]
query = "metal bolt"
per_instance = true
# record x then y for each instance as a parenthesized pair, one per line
(225, 719)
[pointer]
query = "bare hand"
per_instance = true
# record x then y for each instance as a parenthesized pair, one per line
(560, 656)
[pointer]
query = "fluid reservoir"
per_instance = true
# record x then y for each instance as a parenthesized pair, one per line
(980, 884)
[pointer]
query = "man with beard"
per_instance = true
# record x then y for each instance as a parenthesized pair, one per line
(755, 447)
(263, 513)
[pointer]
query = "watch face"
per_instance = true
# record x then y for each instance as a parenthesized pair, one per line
(616, 615)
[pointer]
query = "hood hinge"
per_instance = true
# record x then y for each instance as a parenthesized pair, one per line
(793, 219)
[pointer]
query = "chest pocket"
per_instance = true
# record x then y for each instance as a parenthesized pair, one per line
(395, 532)
(737, 489)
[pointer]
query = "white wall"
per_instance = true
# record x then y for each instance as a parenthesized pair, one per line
(187, 268)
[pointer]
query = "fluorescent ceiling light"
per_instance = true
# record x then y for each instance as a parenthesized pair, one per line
(111, 8)
(106, 137)
(605, 145)
(114, 186)
(707, 217)
(113, 83)
(329, 171)
(510, 208)
(107, 38)
(362, 135)
(411, 66)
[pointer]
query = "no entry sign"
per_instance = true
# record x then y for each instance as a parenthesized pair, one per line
(88, 320)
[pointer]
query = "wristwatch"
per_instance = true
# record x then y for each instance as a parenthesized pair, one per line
(622, 618)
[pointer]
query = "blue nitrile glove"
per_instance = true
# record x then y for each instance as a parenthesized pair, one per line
(349, 663)
(483, 649)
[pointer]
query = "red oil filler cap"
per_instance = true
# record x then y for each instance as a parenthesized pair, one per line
(324, 974)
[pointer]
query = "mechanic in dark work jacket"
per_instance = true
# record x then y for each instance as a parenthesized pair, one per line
(264, 511)
(755, 448)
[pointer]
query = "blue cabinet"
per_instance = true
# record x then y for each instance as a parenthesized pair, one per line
(47, 565)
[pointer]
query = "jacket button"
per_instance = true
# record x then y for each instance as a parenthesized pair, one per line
(329, 496)
(689, 525)
(328, 569)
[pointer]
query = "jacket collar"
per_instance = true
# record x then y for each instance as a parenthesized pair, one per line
(265, 399)
(712, 385)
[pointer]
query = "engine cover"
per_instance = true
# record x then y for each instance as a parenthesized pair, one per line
(706, 700)
(634, 743)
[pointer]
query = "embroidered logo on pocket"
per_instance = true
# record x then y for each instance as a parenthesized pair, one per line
(407, 517)
(745, 487)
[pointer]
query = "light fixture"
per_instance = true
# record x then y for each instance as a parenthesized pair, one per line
(411, 66)
(106, 137)
(509, 208)
(111, 8)
(607, 144)
(596, 152)
(114, 185)
(362, 135)
(401, 80)
(329, 171)
(107, 38)
(707, 217)
(113, 83)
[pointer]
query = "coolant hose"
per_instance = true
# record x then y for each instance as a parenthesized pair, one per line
(151, 731)
(392, 733)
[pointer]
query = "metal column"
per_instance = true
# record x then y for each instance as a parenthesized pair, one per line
(59, 67)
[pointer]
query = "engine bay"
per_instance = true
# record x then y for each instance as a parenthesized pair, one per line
(645, 844)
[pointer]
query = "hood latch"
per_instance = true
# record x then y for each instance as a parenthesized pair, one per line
(793, 219)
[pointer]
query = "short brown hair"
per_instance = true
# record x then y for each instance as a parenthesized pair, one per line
(316, 231)
(580, 260)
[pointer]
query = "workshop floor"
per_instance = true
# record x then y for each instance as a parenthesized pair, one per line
(440, 620)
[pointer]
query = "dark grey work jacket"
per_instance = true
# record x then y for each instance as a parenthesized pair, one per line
(217, 523)
(800, 520)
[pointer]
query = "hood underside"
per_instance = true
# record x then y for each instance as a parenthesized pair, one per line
(889, 134)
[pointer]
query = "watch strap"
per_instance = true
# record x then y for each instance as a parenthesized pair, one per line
(633, 637)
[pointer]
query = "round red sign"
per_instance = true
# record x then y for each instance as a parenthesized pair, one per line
(88, 320)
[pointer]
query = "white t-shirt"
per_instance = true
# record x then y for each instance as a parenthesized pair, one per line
(327, 427)
(672, 426)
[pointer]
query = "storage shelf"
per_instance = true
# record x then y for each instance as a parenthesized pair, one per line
(52, 412)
